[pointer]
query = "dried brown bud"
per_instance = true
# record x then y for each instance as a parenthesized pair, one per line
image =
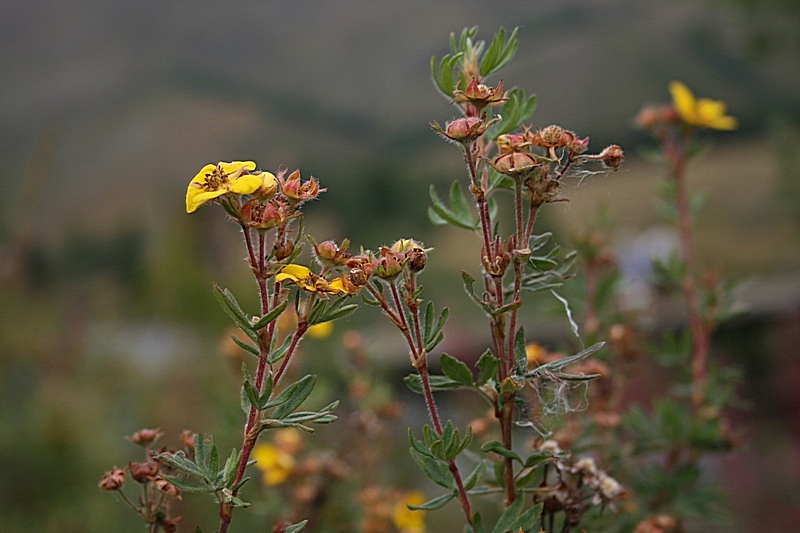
(612, 157)
(113, 479)
(416, 259)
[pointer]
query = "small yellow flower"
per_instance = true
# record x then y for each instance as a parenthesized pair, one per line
(235, 177)
(702, 112)
(307, 280)
(322, 330)
(406, 520)
(274, 463)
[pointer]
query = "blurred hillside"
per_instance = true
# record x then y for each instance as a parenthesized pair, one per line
(133, 98)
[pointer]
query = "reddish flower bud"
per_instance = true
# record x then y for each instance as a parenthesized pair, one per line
(480, 95)
(296, 191)
(512, 142)
(113, 479)
(515, 164)
(330, 254)
(143, 472)
(389, 264)
(145, 437)
(187, 439)
(264, 215)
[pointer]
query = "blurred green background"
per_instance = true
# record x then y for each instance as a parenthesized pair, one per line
(107, 110)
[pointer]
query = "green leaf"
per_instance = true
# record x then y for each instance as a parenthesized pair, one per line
(506, 521)
(496, 447)
(499, 53)
(205, 453)
(294, 528)
(434, 504)
(290, 398)
(434, 335)
(477, 473)
(269, 317)
(325, 311)
(244, 346)
(232, 309)
(252, 394)
(188, 486)
(456, 370)
(461, 218)
(280, 352)
(517, 110)
(229, 472)
(437, 383)
(180, 462)
(436, 470)
(487, 367)
(520, 355)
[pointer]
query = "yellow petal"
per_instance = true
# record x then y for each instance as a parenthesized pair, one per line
(236, 166)
(197, 196)
(246, 184)
(293, 273)
(268, 184)
(683, 100)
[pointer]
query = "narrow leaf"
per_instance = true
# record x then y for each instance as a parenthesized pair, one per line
(436, 470)
(269, 317)
(434, 504)
(301, 391)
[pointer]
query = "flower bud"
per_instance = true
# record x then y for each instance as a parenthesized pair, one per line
(143, 472)
(282, 251)
(463, 130)
(612, 157)
(296, 191)
(389, 264)
(263, 215)
(415, 259)
(515, 164)
(511, 142)
(113, 479)
(145, 437)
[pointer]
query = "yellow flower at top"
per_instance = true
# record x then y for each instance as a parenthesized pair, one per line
(700, 112)
(406, 520)
(235, 177)
(274, 463)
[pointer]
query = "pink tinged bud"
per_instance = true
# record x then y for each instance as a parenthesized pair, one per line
(515, 164)
(511, 142)
(296, 191)
(145, 437)
(263, 215)
(465, 129)
(389, 264)
(143, 472)
(113, 479)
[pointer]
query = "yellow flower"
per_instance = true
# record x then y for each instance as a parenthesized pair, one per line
(274, 463)
(703, 112)
(321, 331)
(235, 177)
(406, 520)
(307, 280)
